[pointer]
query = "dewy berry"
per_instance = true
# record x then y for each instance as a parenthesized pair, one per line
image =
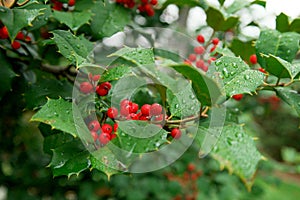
(155, 109)
(112, 112)
(176, 133)
(200, 38)
(145, 109)
(133, 108)
(237, 97)
(86, 87)
(94, 125)
(199, 50)
(107, 128)
(253, 59)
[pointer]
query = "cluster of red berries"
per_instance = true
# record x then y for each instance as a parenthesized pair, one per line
(91, 86)
(57, 5)
(20, 37)
(197, 58)
(188, 182)
(144, 6)
(102, 134)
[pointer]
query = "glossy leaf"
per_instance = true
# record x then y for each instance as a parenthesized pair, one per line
(205, 88)
(278, 67)
(7, 74)
(43, 18)
(16, 19)
(58, 114)
(234, 150)
(115, 73)
(282, 23)
(283, 45)
(74, 20)
(75, 49)
(242, 49)
(108, 19)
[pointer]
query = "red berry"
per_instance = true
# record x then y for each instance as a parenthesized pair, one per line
(94, 135)
(204, 68)
(154, 2)
(104, 138)
(176, 133)
(155, 109)
(192, 57)
(27, 39)
(71, 2)
(112, 112)
(57, 6)
(210, 60)
(253, 59)
(145, 109)
(107, 128)
(200, 63)
(20, 36)
(215, 41)
(15, 45)
(125, 110)
(159, 117)
(133, 108)
(150, 12)
(144, 118)
(115, 127)
(101, 91)
(262, 70)
(191, 167)
(237, 97)
(144, 1)
(113, 136)
(187, 62)
(213, 48)
(199, 50)
(3, 33)
(106, 85)
(200, 38)
(125, 102)
(96, 77)
(94, 125)
(133, 116)
(86, 87)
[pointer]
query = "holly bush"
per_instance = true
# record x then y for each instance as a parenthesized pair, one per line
(116, 88)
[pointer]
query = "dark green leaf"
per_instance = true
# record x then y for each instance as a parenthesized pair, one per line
(295, 25)
(75, 49)
(234, 150)
(221, 2)
(69, 158)
(283, 45)
(206, 89)
(278, 67)
(192, 3)
(108, 18)
(42, 19)
(217, 21)
(282, 23)
(58, 114)
(242, 49)
(167, 54)
(7, 74)
(16, 19)
(74, 20)
(115, 73)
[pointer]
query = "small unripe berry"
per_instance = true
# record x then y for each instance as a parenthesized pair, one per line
(199, 50)
(237, 97)
(15, 45)
(104, 138)
(155, 109)
(94, 125)
(215, 41)
(86, 87)
(253, 59)
(112, 112)
(176, 133)
(200, 38)
(107, 128)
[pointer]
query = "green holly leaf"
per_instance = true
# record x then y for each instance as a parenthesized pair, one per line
(279, 67)
(74, 20)
(283, 45)
(235, 75)
(206, 90)
(184, 103)
(43, 18)
(140, 137)
(235, 150)
(242, 49)
(115, 73)
(295, 25)
(191, 3)
(138, 56)
(16, 19)
(217, 21)
(75, 49)
(7, 75)
(282, 23)
(69, 158)
(58, 114)
(45, 86)
(108, 18)
(291, 97)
